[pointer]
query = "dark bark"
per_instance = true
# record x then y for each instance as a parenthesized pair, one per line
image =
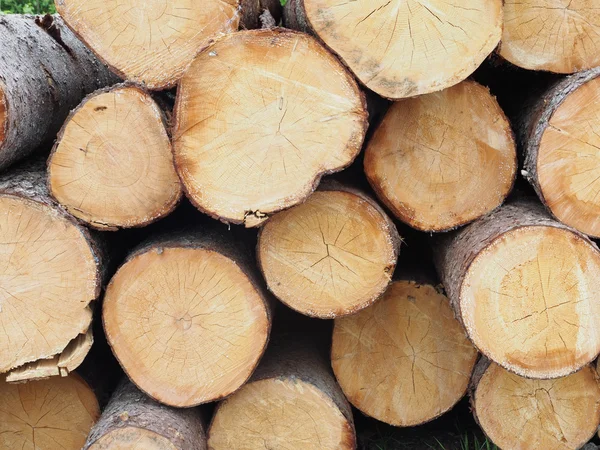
(45, 71)
(253, 9)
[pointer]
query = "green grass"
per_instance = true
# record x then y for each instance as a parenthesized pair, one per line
(27, 6)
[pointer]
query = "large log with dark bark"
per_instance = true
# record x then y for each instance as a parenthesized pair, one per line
(403, 49)
(51, 268)
(45, 71)
(188, 318)
(526, 414)
(255, 127)
(112, 165)
(132, 420)
(526, 288)
(292, 402)
(560, 138)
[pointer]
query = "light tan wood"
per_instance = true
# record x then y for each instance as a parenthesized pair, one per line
(255, 128)
(65, 363)
(407, 48)
(405, 360)
(523, 414)
(49, 414)
(149, 41)
(531, 299)
(443, 159)
(112, 165)
(133, 439)
(554, 35)
(48, 277)
(330, 256)
(568, 160)
(187, 324)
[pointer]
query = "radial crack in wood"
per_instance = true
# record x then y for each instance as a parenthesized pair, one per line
(555, 35)
(112, 165)
(151, 42)
(403, 48)
(187, 320)
(526, 288)
(520, 413)
(330, 256)
(443, 159)
(405, 360)
(49, 414)
(256, 129)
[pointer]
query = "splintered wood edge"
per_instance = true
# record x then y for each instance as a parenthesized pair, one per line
(88, 218)
(256, 218)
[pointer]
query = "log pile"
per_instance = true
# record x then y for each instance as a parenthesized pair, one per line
(210, 183)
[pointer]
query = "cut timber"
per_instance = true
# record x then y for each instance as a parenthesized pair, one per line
(523, 414)
(444, 159)
(151, 42)
(187, 319)
(560, 135)
(44, 73)
(554, 35)
(330, 256)
(133, 421)
(112, 165)
(405, 360)
(51, 268)
(255, 128)
(49, 414)
(527, 289)
(70, 359)
(401, 48)
(291, 402)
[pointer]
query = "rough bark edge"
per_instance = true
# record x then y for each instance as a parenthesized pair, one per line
(211, 241)
(130, 408)
(252, 11)
(255, 219)
(512, 137)
(390, 230)
(97, 225)
(535, 119)
(292, 356)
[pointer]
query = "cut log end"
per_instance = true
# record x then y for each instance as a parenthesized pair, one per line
(567, 46)
(58, 412)
(444, 159)
(393, 46)
(49, 275)
(279, 413)
(408, 344)
(568, 159)
(133, 438)
(333, 255)
(202, 343)
(256, 129)
(115, 146)
(515, 412)
(150, 42)
(530, 300)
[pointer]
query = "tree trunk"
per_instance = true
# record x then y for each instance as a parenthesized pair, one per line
(331, 256)
(442, 160)
(49, 414)
(44, 73)
(400, 49)
(149, 42)
(292, 402)
(133, 420)
(409, 344)
(187, 318)
(252, 11)
(520, 413)
(115, 146)
(530, 42)
(527, 289)
(560, 141)
(255, 129)
(51, 269)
